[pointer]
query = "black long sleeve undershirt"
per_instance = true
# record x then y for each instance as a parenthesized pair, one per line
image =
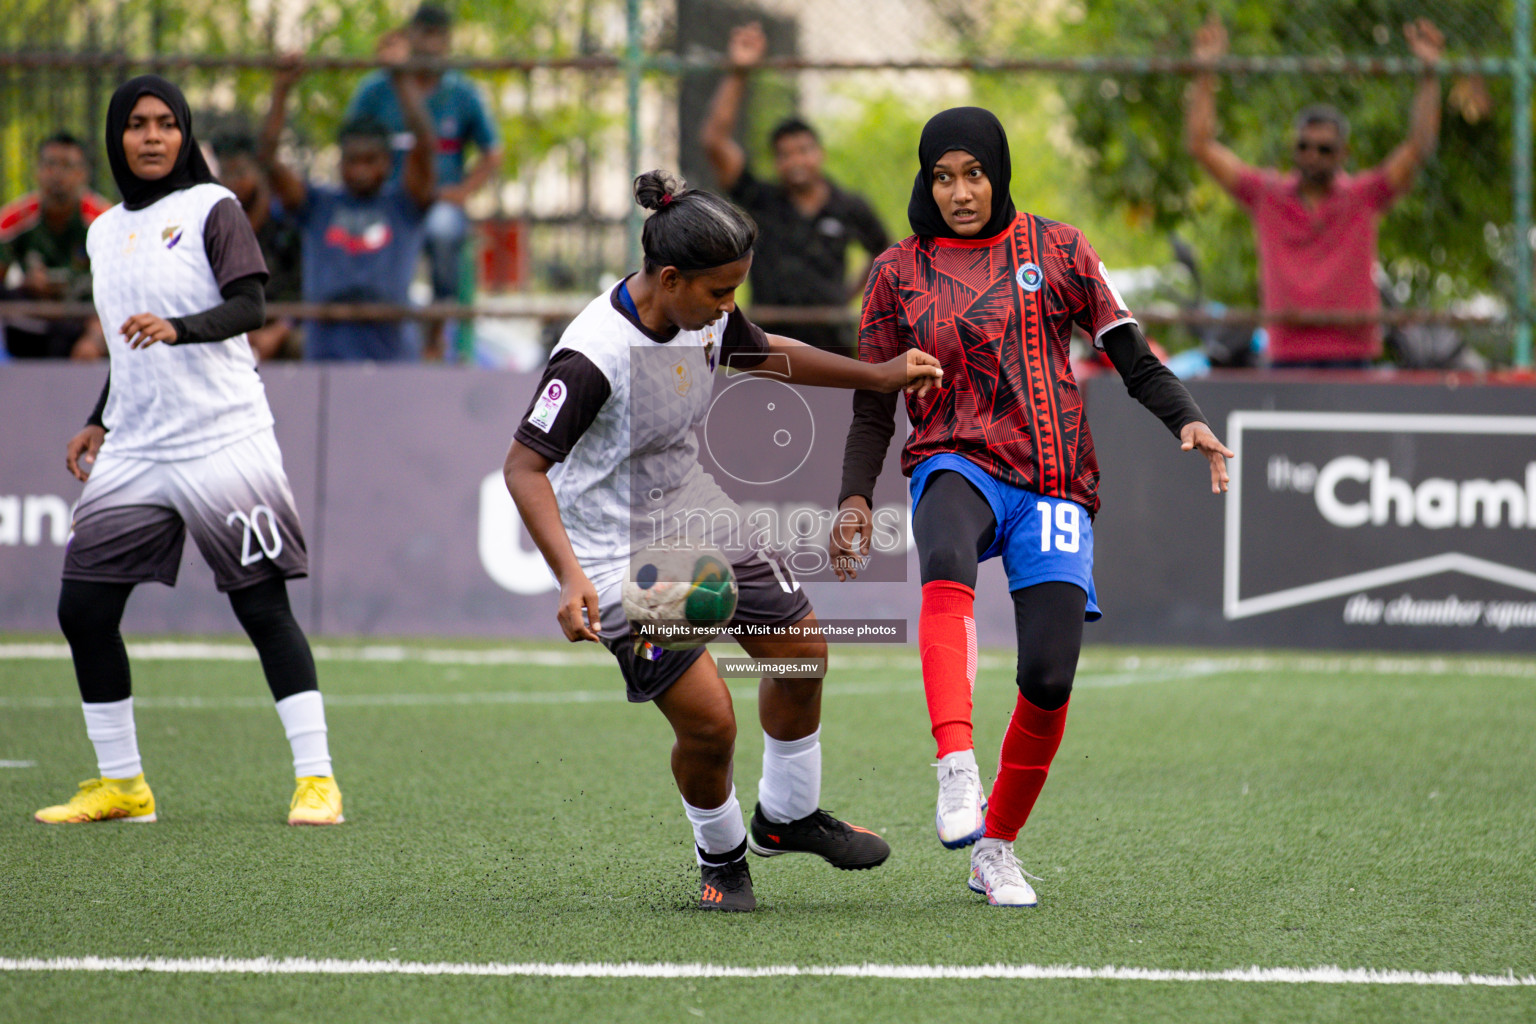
(244, 309)
(101, 405)
(1146, 379)
(869, 435)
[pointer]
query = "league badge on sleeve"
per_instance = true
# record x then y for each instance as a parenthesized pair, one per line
(548, 406)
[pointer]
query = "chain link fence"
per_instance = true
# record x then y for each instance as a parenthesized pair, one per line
(587, 91)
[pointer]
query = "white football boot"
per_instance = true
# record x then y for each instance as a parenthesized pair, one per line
(995, 872)
(962, 814)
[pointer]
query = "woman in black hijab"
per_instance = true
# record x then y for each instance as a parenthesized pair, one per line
(181, 442)
(1000, 459)
(976, 133)
(149, 142)
(152, 153)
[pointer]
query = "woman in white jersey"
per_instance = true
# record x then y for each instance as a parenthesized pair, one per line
(607, 450)
(180, 442)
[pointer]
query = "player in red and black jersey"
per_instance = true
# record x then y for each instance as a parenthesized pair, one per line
(1000, 459)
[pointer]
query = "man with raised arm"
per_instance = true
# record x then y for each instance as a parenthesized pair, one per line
(362, 239)
(805, 220)
(1316, 225)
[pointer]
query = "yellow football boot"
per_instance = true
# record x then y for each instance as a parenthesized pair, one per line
(104, 800)
(316, 801)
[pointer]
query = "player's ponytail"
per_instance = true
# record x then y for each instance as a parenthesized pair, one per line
(691, 229)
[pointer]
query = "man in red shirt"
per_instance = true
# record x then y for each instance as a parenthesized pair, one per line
(1316, 226)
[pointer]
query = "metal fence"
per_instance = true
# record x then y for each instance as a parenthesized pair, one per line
(588, 92)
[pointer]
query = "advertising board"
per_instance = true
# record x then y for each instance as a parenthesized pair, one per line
(1360, 516)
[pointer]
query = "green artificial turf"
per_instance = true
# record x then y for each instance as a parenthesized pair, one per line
(1206, 812)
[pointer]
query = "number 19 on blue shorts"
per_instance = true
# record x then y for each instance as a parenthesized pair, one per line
(1048, 539)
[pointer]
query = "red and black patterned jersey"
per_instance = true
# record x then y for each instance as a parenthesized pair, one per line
(998, 313)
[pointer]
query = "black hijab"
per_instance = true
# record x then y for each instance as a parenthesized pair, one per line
(979, 133)
(190, 167)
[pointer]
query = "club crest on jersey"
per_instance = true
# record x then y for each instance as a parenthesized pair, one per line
(1030, 277)
(682, 378)
(171, 235)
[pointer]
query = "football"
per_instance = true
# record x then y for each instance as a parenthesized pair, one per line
(679, 597)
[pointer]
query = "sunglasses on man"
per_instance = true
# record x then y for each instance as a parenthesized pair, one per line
(1321, 148)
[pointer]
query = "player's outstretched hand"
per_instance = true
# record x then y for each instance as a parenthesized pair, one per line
(145, 329)
(848, 544)
(1198, 436)
(914, 372)
(578, 608)
(80, 453)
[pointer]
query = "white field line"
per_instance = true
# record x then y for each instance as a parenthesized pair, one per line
(18, 764)
(745, 692)
(1133, 665)
(1096, 672)
(892, 972)
(614, 695)
(177, 650)
(345, 700)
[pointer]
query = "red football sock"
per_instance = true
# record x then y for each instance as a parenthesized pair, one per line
(946, 641)
(1028, 747)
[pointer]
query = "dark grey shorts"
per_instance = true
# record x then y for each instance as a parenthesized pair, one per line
(134, 515)
(766, 595)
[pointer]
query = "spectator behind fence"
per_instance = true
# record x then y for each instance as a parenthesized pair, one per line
(277, 232)
(43, 233)
(1316, 226)
(363, 239)
(460, 119)
(805, 221)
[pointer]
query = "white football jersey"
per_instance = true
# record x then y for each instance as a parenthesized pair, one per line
(169, 402)
(633, 477)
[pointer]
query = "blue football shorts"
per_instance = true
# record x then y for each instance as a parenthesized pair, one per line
(1039, 538)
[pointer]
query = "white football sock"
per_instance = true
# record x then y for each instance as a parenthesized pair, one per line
(110, 728)
(718, 831)
(303, 716)
(791, 786)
